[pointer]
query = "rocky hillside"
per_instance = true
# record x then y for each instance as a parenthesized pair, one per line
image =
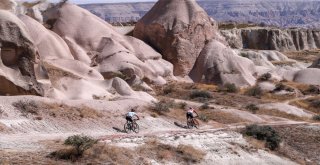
(282, 13)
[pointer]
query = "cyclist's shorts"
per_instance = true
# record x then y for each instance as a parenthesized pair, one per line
(189, 115)
(128, 118)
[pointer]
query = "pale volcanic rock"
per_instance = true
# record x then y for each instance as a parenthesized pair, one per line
(220, 64)
(179, 30)
(265, 38)
(9, 5)
(308, 76)
(17, 57)
(75, 80)
(104, 48)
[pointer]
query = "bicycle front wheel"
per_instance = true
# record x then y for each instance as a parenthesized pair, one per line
(135, 127)
(126, 127)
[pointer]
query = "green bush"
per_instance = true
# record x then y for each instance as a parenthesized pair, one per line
(200, 94)
(230, 88)
(162, 106)
(316, 117)
(252, 107)
(266, 133)
(78, 143)
(265, 77)
(254, 91)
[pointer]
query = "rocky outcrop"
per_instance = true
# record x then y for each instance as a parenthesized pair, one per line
(220, 65)
(273, 39)
(106, 50)
(179, 30)
(18, 53)
(306, 76)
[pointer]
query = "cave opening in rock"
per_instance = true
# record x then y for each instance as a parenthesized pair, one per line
(9, 54)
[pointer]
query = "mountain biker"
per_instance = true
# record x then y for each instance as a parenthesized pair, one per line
(131, 114)
(191, 114)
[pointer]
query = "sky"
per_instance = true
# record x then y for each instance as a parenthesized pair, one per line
(100, 1)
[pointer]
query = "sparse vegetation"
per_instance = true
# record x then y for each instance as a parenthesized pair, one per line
(311, 104)
(203, 118)
(265, 77)
(316, 117)
(315, 104)
(205, 106)
(168, 89)
(78, 143)
(200, 94)
(312, 89)
(252, 107)
(281, 86)
(27, 107)
(255, 91)
(183, 105)
(266, 133)
(162, 106)
(230, 88)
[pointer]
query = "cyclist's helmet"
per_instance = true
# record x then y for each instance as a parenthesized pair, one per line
(133, 110)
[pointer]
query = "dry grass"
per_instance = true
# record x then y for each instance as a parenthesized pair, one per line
(221, 117)
(308, 104)
(305, 55)
(182, 154)
(42, 110)
(283, 63)
(277, 97)
(276, 113)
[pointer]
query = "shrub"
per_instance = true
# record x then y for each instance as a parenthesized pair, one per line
(316, 117)
(280, 87)
(183, 105)
(162, 106)
(266, 133)
(265, 77)
(315, 103)
(168, 89)
(27, 107)
(203, 117)
(200, 94)
(78, 144)
(230, 88)
(252, 107)
(313, 89)
(205, 106)
(254, 91)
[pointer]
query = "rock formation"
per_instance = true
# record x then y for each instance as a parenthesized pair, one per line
(105, 49)
(273, 39)
(179, 30)
(17, 57)
(220, 64)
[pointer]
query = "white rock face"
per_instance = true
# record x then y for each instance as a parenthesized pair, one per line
(273, 39)
(307, 76)
(104, 48)
(220, 64)
(17, 54)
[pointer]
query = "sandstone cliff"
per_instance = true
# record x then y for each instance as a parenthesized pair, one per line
(272, 39)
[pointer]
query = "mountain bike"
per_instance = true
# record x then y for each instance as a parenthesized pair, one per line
(192, 123)
(131, 126)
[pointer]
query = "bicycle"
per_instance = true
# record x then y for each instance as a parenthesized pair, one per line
(191, 123)
(131, 126)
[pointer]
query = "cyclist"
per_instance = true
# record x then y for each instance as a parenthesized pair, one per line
(131, 114)
(190, 115)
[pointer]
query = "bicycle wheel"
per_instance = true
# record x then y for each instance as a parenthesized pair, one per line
(127, 127)
(189, 123)
(195, 124)
(135, 127)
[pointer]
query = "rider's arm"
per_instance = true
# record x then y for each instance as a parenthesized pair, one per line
(138, 117)
(196, 112)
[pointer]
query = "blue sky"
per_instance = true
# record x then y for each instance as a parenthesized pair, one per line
(100, 1)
